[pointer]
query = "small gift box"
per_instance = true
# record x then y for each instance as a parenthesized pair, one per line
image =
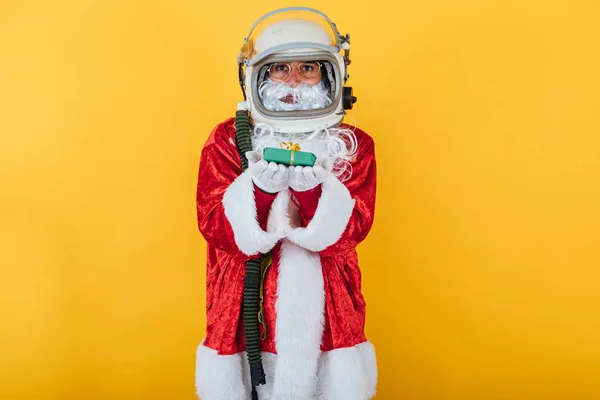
(289, 154)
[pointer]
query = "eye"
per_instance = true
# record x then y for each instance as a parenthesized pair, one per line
(310, 67)
(280, 67)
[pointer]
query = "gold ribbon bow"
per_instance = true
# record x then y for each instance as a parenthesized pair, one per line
(292, 148)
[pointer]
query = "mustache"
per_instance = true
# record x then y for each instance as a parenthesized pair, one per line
(304, 96)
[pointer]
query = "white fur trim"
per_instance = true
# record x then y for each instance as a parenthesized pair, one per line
(330, 220)
(349, 374)
(369, 357)
(279, 215)
(300, 308)
(240, 210)
(219, 377)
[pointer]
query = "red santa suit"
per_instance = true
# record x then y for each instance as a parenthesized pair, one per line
(315, 346)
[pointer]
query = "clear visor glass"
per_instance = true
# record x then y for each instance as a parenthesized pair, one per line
(306, 85)
(297, 24)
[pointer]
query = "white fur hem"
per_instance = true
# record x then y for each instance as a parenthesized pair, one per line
(219, 377)
(349, 374)
(300, 308)
(330, 220)
(240, 210)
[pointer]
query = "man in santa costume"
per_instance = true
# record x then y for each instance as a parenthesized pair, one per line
(285, 312)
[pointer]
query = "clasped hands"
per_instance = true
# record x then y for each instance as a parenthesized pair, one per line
(273, 178)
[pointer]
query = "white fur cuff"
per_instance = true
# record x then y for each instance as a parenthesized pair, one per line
(330, 220)
(240, 210)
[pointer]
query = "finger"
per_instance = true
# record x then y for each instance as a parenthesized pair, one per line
(269, 171)
(296, 173)
(281, 174)
(311, 179)
(307, 171)
(259, 167)
(300, 178)
(292, 175)
(262, 164)
(320, 173)
(265, 173)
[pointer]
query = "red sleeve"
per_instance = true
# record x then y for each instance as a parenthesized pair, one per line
(263, 201)
(219, 167)
(307, 203)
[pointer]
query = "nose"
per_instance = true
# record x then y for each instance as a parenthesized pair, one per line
(294, 78)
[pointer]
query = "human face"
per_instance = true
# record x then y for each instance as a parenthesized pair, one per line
(294, 85)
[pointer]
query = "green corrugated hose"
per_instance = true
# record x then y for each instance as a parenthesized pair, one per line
(253, 276)
(242, 135)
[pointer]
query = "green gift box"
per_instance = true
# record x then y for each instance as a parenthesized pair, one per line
(289, 157)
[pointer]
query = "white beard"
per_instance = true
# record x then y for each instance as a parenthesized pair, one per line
(334, 148)
(306, 96)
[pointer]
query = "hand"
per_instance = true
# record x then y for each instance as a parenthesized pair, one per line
(306, 178)
(269, 177)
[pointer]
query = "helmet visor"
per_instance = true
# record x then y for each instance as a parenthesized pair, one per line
(294, 85)
(288, 29)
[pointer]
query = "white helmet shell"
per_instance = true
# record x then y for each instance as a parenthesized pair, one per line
(294, 34)
(289, 31)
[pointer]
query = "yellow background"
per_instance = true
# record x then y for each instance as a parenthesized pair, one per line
(481, 272)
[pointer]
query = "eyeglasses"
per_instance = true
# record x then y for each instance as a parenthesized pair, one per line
(282, 71)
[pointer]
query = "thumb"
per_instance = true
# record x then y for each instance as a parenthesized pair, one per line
(253, 156)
